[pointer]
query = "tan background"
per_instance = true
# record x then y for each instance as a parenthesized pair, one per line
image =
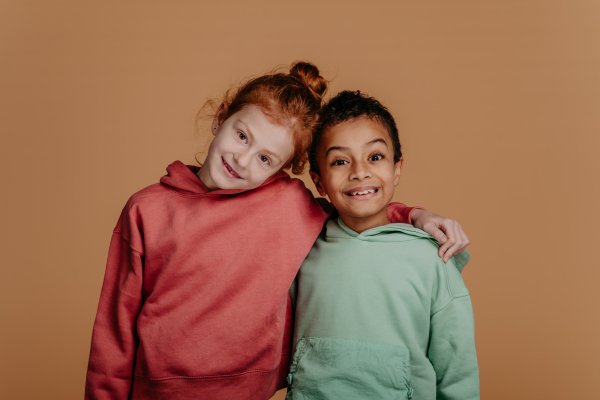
(498, 107)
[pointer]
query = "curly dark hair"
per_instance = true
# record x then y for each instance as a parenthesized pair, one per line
(349, 105)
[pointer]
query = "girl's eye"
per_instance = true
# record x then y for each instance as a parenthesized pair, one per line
(265, 159)
(339, 162)
(376, 157)
(243, 137)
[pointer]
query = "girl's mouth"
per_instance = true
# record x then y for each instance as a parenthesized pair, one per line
(229, 171)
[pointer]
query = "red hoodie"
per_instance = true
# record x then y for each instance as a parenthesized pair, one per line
(195, 295)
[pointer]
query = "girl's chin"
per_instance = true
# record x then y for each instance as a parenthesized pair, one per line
(227, 183)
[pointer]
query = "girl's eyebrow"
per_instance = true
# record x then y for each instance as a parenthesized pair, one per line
(247, 129)
(332, 148)
(341, 148)
(249, 133)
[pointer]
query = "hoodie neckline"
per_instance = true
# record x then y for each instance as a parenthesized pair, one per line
(184, 179)
(371, 233)
(337, 229)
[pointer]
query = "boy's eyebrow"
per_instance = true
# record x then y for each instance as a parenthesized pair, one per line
(375, 141)
(249, 133)
(335, 148)
(345, 148)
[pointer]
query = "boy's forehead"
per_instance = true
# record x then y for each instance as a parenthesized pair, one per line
(354, 132)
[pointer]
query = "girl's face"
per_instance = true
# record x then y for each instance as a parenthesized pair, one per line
(246, 151)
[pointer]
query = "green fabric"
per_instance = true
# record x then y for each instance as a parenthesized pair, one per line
(354, 370)
(365, 302)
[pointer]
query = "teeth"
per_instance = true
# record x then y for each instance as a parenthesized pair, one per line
(365, 192)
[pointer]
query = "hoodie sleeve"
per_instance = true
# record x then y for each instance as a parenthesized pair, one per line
(400, 213)
(114, 338)
(452, 340)
(286, 351)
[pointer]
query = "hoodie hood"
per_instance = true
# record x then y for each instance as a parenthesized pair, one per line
(184, 179)
(389, 233)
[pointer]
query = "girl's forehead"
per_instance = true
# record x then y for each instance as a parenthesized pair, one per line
(253, 115)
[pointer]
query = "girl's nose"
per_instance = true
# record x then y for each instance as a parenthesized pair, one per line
(243, 159)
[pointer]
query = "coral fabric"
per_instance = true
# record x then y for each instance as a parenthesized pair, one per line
(195, 299)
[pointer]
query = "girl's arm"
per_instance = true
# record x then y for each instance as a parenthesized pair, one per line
(445, 230)
(114, 339)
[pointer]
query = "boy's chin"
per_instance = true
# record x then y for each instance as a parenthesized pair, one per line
(363, 215)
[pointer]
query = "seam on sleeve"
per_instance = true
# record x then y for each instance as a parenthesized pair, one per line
(450, 301)
(448, 280)
(129, 243)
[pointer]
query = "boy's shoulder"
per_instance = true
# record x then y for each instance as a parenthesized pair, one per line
(408, 247)
(390, 233)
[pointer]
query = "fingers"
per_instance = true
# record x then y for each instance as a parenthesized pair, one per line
(458, 244)
(461, 243)
(448, 232)
(466, 240)
(439, 235)
(448, 227)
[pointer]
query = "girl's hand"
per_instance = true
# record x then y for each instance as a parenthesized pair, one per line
(445, 230)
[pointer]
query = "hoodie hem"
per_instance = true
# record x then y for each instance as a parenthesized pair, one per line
(205, 377)
(249, 385)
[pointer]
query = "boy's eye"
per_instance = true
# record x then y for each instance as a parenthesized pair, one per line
(376, 157)
(265, 159)
(243, 137)
(339, 162)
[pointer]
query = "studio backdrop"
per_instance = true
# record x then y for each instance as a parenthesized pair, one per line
(498, 107)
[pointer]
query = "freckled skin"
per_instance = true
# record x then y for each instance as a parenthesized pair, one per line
(246, 151)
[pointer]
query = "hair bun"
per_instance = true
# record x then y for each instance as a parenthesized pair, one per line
(309, 75)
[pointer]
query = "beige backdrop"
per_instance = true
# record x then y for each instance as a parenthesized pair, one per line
(498, 107)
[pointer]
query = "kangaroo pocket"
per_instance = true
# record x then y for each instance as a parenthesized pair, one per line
(334, 368)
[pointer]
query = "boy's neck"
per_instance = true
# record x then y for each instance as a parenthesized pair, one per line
(361, 224)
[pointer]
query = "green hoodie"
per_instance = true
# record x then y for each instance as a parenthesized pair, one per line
(380, 316)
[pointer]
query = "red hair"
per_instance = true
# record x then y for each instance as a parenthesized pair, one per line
(291, 100)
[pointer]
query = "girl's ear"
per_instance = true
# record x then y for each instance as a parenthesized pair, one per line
(317, 181)
(219, 116)
(398, 171)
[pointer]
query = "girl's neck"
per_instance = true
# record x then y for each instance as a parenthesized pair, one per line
(206, 181)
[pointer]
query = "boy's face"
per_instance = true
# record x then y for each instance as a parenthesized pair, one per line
(357, 172)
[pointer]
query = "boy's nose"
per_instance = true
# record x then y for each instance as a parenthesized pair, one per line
(360, 171)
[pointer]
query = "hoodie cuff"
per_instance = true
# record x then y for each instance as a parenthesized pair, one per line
(400, 213)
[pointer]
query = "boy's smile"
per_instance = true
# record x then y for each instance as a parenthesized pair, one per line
(357, 172)
(362, 192)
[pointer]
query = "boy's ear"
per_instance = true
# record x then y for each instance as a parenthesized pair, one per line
(219, 115)
(317, 181)
(398, 171)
